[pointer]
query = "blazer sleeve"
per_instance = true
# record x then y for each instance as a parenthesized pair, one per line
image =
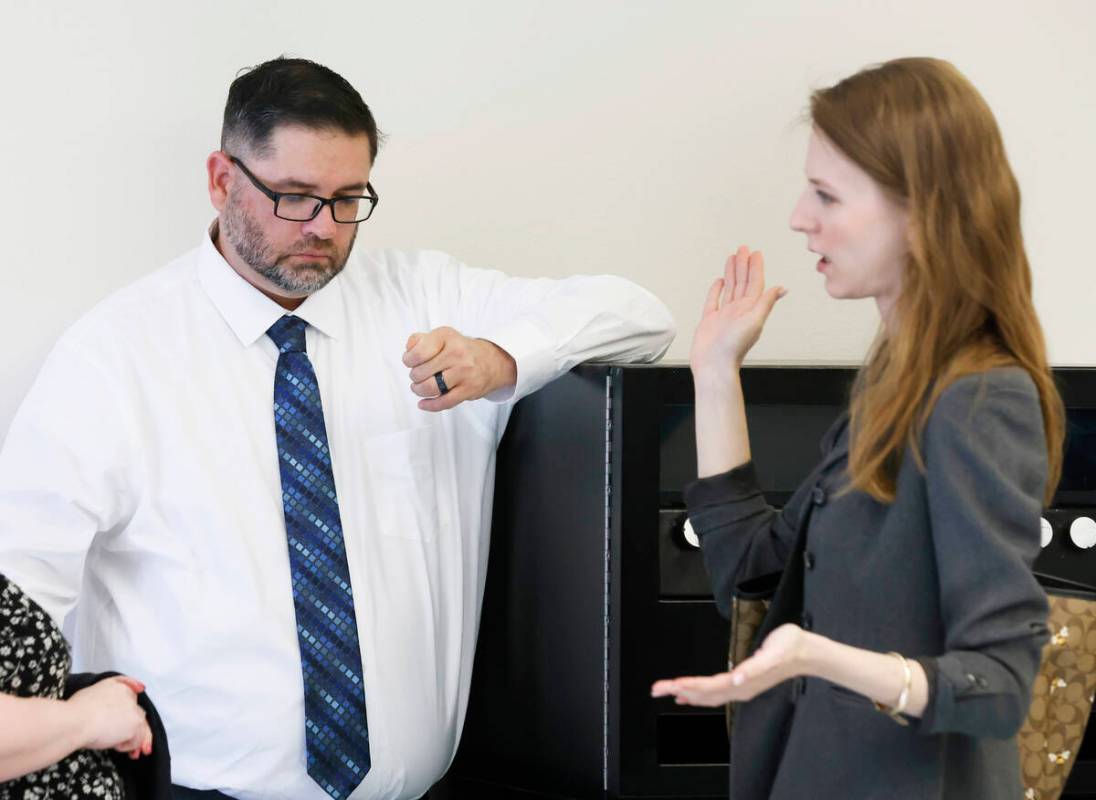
(986, 470)
(741, 535)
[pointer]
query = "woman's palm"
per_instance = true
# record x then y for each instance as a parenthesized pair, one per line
(734, 313)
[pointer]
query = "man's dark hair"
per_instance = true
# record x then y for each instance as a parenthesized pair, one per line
(292, 91)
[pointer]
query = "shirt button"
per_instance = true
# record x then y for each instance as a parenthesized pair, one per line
(808, 559)
(818, 496)
(807, 620)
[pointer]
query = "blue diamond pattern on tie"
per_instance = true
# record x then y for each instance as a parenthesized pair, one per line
(336, 734)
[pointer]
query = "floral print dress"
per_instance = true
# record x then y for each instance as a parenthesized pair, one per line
(34, 662)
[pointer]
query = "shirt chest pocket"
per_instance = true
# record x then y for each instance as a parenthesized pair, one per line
(402, 469)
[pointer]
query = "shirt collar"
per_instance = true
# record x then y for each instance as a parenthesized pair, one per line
(249, 312)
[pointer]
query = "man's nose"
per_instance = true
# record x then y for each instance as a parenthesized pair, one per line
(323, 226)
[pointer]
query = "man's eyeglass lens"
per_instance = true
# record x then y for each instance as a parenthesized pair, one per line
(301, 208)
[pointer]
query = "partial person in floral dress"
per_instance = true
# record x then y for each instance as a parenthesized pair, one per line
(52, 747)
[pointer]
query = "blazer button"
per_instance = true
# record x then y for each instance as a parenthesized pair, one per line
(808, 559)
(807, 621)
(818, 496)
(977, 680)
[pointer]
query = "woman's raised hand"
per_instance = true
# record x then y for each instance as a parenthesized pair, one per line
(734, 313)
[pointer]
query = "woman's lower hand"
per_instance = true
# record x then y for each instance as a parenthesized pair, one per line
(734, 313)
(784, 654)
(110, 717)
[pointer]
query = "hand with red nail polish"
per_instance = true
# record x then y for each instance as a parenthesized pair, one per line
(110, 718)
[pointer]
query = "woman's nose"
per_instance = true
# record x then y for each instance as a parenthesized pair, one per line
(801, 220)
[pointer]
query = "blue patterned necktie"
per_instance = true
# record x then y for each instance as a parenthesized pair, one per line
(336, 734)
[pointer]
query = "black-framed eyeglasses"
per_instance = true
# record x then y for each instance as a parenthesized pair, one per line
(346, 209)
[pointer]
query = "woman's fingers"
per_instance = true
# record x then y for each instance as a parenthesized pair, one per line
(710, 690)
(741, 271)
(731, 320)
(768, 300)
(711, 302)
(138, 744)
(704, 690)
(743, 275)
(662, 688)
(755, 275)
(734, 275)
(135, 685)
(729, 278)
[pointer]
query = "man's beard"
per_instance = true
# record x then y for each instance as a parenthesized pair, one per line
(304, 277)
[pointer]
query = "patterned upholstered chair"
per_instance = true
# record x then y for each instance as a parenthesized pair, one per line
(1062, 697)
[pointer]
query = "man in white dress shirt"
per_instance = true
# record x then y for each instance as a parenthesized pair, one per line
(146, 479)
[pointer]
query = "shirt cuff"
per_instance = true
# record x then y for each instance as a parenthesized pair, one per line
(533, 352)
(736, 484)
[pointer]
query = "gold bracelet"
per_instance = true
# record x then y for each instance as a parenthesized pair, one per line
(895, 711)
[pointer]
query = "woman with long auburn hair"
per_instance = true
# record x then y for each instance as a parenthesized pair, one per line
(906, 630)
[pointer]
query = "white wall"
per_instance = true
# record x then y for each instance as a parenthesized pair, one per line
(646, 138)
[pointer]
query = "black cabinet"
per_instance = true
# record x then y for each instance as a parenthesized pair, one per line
(594, 590)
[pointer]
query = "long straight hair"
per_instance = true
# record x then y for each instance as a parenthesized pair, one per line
(921, 130)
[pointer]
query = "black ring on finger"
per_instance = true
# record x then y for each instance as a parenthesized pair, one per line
(442, 386)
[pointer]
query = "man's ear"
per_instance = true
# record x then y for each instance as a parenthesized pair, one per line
(221, 175)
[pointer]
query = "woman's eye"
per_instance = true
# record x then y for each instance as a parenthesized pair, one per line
(825, 197)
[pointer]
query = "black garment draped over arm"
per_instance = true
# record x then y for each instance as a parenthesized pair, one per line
(148, 777)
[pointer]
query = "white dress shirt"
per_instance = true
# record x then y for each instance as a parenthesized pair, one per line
(139, 489)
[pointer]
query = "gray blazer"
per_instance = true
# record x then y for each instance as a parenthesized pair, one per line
(942, 574)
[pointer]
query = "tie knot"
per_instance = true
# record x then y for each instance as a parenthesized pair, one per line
(288, 334)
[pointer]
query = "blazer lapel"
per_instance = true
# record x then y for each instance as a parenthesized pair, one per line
(835, 444)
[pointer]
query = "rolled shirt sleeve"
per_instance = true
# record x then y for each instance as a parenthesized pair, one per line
(549, 326)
